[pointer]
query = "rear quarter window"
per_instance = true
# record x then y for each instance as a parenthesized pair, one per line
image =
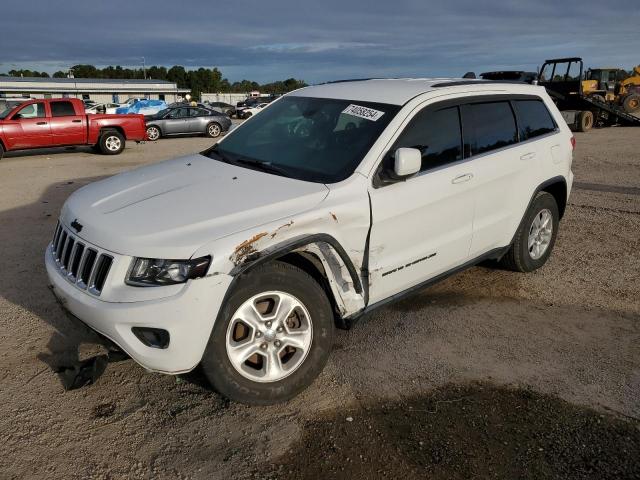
(534, 118)
(488, 126)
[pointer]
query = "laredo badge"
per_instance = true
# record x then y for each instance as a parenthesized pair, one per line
(363, 112)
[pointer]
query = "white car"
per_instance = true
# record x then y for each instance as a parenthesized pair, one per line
(250, 111)
(101, 108)
(337, 199)
(115, 106)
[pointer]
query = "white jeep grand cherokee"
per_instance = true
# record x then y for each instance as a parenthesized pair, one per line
(336, 199)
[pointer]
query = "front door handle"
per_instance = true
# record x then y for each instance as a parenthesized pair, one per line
(41, 123)
(465, 177)
(76, 121)
(528, 156)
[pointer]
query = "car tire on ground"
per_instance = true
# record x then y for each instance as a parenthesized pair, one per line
(272, 336)
(153, 133)
(585, 121)
(247, 115)
(213, 130)
(535, 237)
(230, 113)
(111, 142)
(631, 103)
(1, 151)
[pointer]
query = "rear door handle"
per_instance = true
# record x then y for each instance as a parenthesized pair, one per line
(41, 123)
(76, 121)
(465, 177)
(528, 156)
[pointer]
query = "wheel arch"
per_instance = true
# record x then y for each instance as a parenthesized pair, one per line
(116, 128)
(325, 260)
(557, 187)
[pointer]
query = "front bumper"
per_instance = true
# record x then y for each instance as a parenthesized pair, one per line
(188, 316)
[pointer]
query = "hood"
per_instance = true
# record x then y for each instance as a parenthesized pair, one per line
(170, 209)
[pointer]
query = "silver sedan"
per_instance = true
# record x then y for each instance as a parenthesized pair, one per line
(186, 121)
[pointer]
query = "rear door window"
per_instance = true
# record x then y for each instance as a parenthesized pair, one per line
(62, 109)
(488, 126)
(436, 133)
(533, 119)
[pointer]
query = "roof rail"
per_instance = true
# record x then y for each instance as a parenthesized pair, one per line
(456, 83)
(348, 80)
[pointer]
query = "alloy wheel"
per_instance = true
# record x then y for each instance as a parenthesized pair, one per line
(113, 143)
(269, 336)
(540, 234)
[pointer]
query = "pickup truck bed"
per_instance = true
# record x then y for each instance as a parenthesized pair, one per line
(62, 122)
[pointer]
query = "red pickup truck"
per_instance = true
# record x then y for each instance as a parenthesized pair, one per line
(62, 122)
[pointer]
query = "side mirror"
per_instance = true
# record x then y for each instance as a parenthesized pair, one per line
(17, 116)
(407, 162)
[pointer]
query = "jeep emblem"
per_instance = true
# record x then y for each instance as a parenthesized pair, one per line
(76, 225)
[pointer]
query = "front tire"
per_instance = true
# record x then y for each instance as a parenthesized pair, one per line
(631, 103)
(213, 130)
(535, 237)
(272, 336)
(153, 133)
(1, 151)
(111, 142)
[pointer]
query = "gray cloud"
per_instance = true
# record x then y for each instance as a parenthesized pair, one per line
(319, 40)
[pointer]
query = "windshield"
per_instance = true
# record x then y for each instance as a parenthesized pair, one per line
(313, 139)
(162, 112)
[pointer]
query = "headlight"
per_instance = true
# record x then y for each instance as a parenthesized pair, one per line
(147, 272)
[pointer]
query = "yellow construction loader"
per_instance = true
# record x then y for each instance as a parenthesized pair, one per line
(614, 85)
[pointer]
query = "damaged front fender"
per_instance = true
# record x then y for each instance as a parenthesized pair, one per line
(340, 272)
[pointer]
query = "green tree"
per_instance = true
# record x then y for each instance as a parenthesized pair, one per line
(202, 80)
(178, 75)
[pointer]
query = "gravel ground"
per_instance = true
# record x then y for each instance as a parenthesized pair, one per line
(563, 341)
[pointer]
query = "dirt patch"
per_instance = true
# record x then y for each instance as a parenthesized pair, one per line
(477, 431)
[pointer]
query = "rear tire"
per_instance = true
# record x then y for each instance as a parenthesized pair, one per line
(310, 322)
(585, 121)
(631, 103)
(111, 142)
(1, 151)
(532, 245)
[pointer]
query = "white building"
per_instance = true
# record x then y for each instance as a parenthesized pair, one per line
(100, 90)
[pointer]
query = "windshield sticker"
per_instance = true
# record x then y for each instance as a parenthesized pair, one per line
(363, 112)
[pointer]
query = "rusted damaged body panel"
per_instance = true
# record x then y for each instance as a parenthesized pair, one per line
(341, 217)
(348, 301)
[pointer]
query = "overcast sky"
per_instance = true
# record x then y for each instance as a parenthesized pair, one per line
(318, 40)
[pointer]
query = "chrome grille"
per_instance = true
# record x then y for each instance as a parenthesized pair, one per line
(83, 265)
